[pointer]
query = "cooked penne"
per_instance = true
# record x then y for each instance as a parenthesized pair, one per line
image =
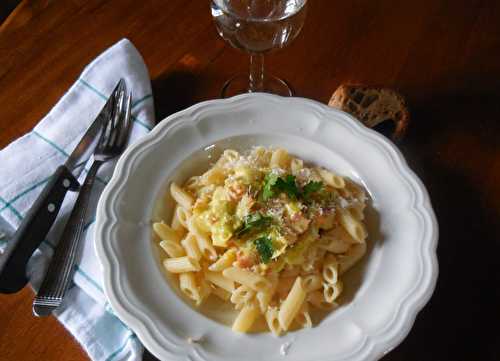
(214, 175)
(183, 198)
(351, 257)
(317, 299)
(204, 244)
(332, 291)
(182, 215)
(272, 321)
(166, 233)
(303, 318)
(330, 178)
(242, 294)
(280, 159)
(219, 280)
(190, 245)
(247, 278)
(245, 318)
(296, 165)
(205, 290)
(181, 265)
(354, 227)
(187, 284)
(221, 293)
(265, 233)
(331, 270)
(312, 283)
(225, 261)
(176, 224)
(172, 248)
(292, 304)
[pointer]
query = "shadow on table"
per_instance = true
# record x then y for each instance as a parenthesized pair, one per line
(454, 146)
(173, 92)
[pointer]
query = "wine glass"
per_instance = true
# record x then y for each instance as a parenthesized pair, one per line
(257, 27)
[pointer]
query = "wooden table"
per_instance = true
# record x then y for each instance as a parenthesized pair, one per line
(443, 55)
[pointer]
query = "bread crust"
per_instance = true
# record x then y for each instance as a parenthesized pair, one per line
(372, 106)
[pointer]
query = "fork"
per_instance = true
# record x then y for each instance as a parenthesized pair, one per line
(111, 143)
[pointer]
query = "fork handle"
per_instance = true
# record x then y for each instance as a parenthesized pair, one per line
(60, 271)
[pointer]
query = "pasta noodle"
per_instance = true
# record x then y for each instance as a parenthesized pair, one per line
(247, 278)
(166, 233)
(267, 234)
(292, 304)
(172, 248)
(272, 321)
(191, 247)
(219, 280)
(181, 265)
(183, 198)
(245, 318)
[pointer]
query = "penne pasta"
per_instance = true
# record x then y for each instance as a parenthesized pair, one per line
(354, 227)
(317, 299)
(247, 278)
(242, 294)
(303, 318)
(292, 304)
(172, 248)
(190, 246)
(183, 198)
(245, 318)
(181, 265)
(225, 261)
(351, 257)
(204, 244)
(280, 159)
(332, 291)
(187, 284)
(219, 280)
(330, 178)
(266, 234)
(221, 293)
(272, 321)
(182, 215)
(331, 270)
(312, 283)
(166, 233)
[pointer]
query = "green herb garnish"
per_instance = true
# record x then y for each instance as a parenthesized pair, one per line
(310, 188)
(274, 185)
(254, 221)
(288, 186)
(265, 248)
(269, 182)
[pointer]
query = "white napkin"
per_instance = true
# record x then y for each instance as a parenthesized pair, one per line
(27, 163)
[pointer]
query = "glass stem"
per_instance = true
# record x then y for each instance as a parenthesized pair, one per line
(256, 73)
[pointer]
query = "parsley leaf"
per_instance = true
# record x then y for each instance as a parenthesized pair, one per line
(269, 182)
(265, 248)
(310, 188)
(252, 222)
(288, 186)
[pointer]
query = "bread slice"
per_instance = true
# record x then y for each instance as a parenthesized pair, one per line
(372, 106)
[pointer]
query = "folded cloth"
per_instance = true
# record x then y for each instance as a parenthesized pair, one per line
(26, 165)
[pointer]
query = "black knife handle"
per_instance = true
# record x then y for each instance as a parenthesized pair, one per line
(33, 229)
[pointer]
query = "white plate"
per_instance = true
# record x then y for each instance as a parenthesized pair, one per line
(383, 294)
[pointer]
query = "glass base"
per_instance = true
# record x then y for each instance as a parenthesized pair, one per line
(238, 84)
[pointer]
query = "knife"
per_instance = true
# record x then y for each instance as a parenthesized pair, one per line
(39, 219)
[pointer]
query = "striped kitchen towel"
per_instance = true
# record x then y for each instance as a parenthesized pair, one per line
(26, 165)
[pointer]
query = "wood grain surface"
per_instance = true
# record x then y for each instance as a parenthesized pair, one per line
(443, 55)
